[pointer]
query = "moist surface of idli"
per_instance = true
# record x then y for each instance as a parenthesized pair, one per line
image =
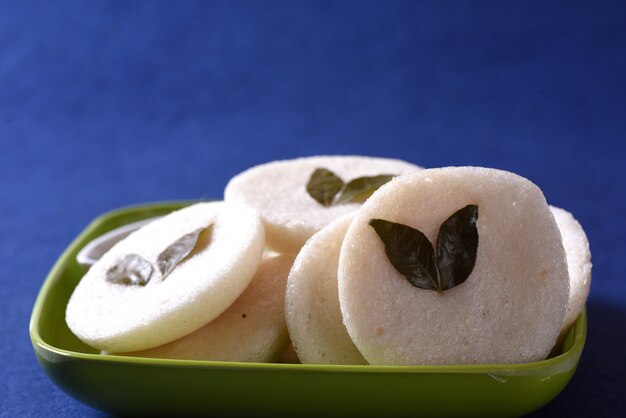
(508, 310)
(578, 263)
(278, 190)
(117, 317)
(312, 302)
(252, 329)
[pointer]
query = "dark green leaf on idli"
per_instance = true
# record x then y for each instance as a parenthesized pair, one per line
(457, 245)
(361, 188)
(328, 189)
(413, 256)
(323, 186)
(409, 251)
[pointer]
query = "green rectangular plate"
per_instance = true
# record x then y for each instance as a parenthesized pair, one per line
(129, 385)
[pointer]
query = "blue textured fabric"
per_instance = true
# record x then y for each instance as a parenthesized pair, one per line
(106, 104)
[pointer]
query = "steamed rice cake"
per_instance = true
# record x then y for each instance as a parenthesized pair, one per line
(508, 310)
(312, 303)
(116, 316)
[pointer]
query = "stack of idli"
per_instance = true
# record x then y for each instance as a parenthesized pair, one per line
(344, 260)
(196, 284)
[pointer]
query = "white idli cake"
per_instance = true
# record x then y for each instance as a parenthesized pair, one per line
(297, 198)
(578, 263)
(495, 260)
(252, 329)
(312, 303)
(167, 279)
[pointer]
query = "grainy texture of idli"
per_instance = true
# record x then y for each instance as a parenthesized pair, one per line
(509, 309)
(278, 191)
(116, 318)
(312, 302)
(578, 263)
(252, 329)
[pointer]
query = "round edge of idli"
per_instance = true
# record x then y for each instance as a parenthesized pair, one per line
(312, 308)
(382, 193)
(186, 313)
(579, 264)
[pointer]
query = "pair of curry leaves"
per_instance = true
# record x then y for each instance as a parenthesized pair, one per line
(136, 270)
(413, 256)
(329, 189)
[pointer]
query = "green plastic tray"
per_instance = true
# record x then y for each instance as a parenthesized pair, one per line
(129, 385)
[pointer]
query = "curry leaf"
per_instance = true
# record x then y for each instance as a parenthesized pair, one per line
(323, 186)
(413, 256)
(131, 270)
(457, 245)
(179, 250)
(361, 188)
(409, 251)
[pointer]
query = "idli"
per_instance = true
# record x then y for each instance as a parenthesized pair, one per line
(168, 278)
(252, 329)
(492, 233)
(312, 302)
(578, 263)
(297, 198)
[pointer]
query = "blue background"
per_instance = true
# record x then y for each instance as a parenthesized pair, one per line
(106, 104)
